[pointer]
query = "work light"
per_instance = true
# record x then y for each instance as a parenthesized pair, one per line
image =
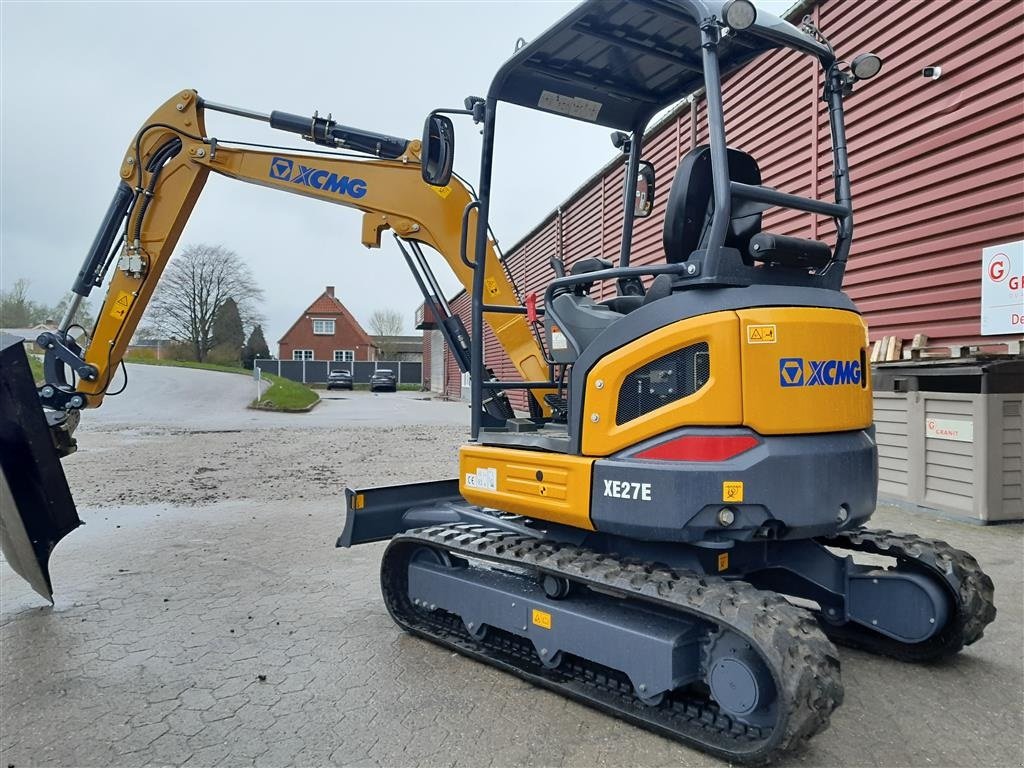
(866, 66)
(739, 14)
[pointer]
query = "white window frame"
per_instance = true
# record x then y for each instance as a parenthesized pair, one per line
(302, 354)
(344, 356)
(323, 320)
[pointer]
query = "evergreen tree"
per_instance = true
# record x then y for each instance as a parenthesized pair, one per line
(227, 333)
(255, 347)
(227, 325)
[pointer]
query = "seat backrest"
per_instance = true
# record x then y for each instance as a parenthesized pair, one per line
(691, 205)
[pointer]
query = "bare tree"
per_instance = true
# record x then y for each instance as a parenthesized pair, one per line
(196, 283)
(17, 310)
(387, 325)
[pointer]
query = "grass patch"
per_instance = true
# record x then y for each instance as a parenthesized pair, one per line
(282, 395)
(37, 368)
(286, 395)
(189, 364)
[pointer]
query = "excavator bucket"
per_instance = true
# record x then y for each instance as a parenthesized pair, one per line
(36, 508)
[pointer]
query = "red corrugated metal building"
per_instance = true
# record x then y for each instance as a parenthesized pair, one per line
(937, 166)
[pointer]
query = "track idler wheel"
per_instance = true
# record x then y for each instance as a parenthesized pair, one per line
(739, 680)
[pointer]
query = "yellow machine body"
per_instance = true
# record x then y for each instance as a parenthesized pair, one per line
(718, 403)
(541, 484)
(831, 346)
(749, 353)
(774, 370)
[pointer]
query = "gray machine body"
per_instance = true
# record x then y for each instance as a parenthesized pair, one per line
(657, 651)
(782, 488)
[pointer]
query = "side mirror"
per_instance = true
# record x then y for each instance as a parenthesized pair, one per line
(438, 150)
(644, 203)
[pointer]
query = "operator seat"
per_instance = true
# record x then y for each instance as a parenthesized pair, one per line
(691, 206)
(574, 319)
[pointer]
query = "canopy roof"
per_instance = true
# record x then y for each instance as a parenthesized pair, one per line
(618, 62)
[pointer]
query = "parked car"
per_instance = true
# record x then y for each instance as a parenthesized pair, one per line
(383, 380)
(340, 379)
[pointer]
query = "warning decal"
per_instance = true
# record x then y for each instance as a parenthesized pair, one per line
(723, 562)
(761, 334)
(484, 479)
(573, 106)
(542, 619)
(732, 491)
(121, 305)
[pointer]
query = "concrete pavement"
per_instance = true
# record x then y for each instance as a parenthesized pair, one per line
(236, 634)
(228, 630)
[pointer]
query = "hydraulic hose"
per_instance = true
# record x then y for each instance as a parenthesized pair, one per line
(154, 166)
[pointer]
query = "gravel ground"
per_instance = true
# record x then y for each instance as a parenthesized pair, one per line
(194, 467)
(203, 617)
(183, 436)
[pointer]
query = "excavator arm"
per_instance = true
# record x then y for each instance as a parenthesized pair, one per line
(161, 178)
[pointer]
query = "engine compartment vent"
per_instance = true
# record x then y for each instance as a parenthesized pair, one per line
(671, 377)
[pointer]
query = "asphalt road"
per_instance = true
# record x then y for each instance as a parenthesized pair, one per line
(235, 633)
(185, 398)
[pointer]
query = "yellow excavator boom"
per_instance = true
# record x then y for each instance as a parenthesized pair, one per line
(167, 164)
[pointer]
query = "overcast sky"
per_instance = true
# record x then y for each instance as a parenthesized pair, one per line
(77, 80)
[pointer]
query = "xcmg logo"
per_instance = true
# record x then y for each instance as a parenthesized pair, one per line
(797, 372)
(283, 169)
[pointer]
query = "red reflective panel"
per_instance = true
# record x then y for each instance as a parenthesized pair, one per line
(700, 448)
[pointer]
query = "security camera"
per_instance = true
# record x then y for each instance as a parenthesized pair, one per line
(932, 73)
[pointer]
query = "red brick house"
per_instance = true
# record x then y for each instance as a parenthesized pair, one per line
(326, 331)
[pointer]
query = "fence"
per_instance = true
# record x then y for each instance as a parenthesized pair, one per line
(315, 371)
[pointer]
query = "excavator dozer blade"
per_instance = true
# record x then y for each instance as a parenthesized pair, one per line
(36, 508)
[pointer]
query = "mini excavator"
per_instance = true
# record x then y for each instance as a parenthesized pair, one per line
(671, 536)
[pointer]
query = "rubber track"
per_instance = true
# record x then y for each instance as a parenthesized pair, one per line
(803, 662)
(971, 588)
